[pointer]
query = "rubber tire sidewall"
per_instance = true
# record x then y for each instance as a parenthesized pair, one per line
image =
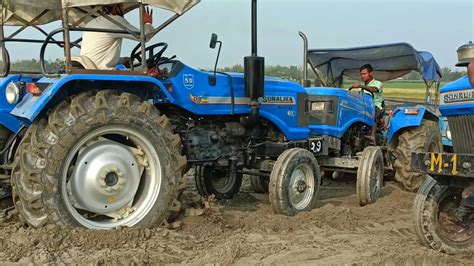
(426, 215)
(205, 187)
(259, 183)
(57, 133)
(369, 158)
(280, 180)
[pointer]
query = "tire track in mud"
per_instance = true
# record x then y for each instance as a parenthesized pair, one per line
(244, 231)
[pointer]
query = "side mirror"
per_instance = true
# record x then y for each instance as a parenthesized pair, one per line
(213, 42)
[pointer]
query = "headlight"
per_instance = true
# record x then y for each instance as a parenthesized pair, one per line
(318, 106)
(12, 93)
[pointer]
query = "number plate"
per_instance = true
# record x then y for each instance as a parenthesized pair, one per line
(448, 164)
(316, 146)
(439, 164)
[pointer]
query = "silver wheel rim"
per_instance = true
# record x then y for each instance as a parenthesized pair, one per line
(302, 186)
(113, 178)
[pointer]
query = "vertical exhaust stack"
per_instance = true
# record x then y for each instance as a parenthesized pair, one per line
(254, 66)
(254, 74)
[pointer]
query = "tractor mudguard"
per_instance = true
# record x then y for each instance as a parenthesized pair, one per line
(406, 117)
(31, 106)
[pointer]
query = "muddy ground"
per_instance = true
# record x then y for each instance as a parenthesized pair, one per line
(245, 231)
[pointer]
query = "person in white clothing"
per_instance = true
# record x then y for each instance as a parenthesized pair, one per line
(103, 48)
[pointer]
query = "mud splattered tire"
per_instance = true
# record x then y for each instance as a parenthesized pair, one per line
(433, 227)
(217, 182)
(259, 183)
(370, 175)
(427, 137)
(294, 182)
(115, 149)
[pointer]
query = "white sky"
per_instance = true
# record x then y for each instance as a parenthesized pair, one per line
(432, 25)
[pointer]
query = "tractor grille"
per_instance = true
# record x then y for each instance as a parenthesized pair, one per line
(462, 133)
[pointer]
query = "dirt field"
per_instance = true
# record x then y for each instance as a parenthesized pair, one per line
(245, 231)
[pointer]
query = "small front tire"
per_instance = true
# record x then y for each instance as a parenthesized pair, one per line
(217, 182)
(370, 175)
(259, 183)
(294, 182)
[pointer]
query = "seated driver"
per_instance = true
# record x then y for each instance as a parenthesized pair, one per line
(103, 48)
(374, 86)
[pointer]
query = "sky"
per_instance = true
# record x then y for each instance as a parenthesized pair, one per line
(437, 26)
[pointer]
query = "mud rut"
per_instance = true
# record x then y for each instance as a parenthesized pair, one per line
(245, 231)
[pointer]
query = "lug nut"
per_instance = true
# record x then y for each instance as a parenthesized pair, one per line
(466, 165)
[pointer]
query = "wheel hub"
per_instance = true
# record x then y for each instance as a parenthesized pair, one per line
(301, 186)
(105, 178)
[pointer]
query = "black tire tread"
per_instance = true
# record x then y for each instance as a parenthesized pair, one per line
(413, 140)
(45, 146)
(425, 208)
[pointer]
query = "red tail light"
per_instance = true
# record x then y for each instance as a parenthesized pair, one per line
(33, 89)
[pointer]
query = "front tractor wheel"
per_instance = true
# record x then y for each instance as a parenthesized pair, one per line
(99, 161)
(370, 175)
(425, 138)
(294, 182)
(217, 182)
(438, 223)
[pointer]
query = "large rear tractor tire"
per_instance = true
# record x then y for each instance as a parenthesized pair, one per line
(217, 182)
(370, 175)
(425, 138)
(98, 161)
(294, 182)
(435, 222)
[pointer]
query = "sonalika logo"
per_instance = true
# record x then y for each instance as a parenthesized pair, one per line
(278, 99)
(460, 96)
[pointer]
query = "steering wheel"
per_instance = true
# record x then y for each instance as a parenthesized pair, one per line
(153, 59)
(364, 88)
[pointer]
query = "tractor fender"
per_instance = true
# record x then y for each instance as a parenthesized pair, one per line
(401, 119)
(31, 106)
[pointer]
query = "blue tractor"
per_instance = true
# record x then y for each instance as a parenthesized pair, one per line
(107, 148)
(410, 127)
(444, 205)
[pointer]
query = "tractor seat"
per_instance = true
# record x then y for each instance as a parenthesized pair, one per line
(82, 62)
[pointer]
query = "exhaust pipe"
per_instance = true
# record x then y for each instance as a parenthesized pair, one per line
(254, 73)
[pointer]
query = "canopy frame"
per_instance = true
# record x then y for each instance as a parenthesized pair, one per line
(337, 80)
(66, 44)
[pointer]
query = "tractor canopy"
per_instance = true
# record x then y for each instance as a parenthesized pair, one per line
(21, 12)
(390, 61)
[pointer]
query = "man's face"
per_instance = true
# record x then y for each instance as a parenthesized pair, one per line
(470, 72)
(365, 75)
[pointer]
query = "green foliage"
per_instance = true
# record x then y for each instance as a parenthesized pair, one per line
(34, 65)
(449, 75)
(294, 73)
